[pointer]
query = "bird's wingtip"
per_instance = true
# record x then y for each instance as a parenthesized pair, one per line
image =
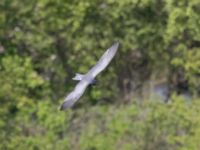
(63, 107)
(66, 104)
(116, 44)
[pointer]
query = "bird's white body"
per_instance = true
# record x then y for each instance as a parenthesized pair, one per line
(78, 77)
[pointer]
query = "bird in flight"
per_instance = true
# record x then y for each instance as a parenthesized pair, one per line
(89, 77)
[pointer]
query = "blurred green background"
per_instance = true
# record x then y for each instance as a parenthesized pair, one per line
(148, 98)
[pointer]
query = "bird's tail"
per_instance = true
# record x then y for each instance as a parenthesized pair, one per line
(78, 77)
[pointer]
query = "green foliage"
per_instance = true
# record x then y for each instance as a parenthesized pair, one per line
(43, 43)
(152, 125)
(182, 38)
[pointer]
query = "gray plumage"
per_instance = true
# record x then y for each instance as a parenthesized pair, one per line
(88, 78)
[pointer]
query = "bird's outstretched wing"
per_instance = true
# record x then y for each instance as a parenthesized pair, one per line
(74, 95)
(103, 61)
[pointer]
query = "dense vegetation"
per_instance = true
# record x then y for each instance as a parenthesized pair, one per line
(43, 43)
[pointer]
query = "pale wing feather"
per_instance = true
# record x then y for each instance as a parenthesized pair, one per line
(103, 61)
(74, 95)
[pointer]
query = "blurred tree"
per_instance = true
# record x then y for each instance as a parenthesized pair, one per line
(43, 43)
